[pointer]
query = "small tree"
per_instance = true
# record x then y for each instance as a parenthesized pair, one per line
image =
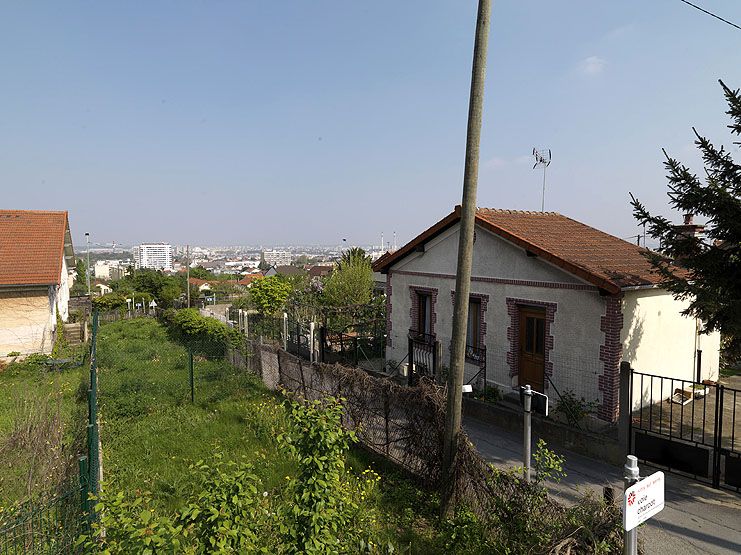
(354, 256)
(80, 285)
(268, 295)
(349, 285)
(706, 271)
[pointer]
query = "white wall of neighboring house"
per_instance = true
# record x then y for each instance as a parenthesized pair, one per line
(29, 315)
(62, 292)
(657, 339)
(103, 289)
(502, 270)
(27, 320)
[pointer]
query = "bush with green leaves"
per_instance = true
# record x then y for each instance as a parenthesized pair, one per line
(128, 524)
(111, 301)
(201, 333)
(269, 295)
(322, 509)
(231, 514)
(574, 408)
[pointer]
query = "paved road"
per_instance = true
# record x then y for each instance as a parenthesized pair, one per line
(696, 518)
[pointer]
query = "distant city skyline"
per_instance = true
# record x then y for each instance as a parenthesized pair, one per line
(259, 123)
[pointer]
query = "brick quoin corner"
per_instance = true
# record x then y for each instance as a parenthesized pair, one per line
(609, 353)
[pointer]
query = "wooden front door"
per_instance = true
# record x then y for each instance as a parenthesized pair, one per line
(532, 348)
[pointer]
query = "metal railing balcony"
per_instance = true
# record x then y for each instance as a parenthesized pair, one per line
(421, 337)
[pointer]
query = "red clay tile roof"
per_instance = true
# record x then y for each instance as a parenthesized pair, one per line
(596, 257)
(249, 278)
(320, 271)
(32, 246)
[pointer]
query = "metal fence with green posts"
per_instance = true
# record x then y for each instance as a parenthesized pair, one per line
(52, 523)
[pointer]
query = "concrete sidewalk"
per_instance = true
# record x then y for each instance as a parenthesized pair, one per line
(696, 518)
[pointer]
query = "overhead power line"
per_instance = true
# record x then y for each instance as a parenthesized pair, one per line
(711, 14)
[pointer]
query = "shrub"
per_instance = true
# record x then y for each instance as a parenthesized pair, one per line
(321, 509)
(465, 533)
(574, 409)
(231, 514)
(490, 395)
(131, 526)
(201, 333)
(111, 301)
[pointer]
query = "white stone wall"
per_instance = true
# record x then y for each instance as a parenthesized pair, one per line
(575, 329)
(26, 320)
(62, 293)
(658, 340)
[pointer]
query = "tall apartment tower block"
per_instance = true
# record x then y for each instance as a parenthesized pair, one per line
(154, 256)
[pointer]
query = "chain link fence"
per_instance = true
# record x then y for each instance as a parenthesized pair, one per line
(403, 424)
(52, 521)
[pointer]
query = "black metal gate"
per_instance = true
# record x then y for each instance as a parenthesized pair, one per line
(422, 356)
(298, 340)
(687, 427)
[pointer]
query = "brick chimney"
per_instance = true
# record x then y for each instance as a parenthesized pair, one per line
(689, 227)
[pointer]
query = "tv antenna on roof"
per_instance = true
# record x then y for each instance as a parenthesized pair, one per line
(542, 158)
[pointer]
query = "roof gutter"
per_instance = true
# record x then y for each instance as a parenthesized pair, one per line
(641, 287)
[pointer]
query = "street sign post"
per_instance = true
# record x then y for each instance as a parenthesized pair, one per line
(643, 500)
(530, 400)
(539, 401)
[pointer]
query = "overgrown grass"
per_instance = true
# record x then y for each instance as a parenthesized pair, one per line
(153, 438)
(152, 433)
(42, 418)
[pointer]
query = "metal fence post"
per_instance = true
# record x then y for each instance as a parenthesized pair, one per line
(437, 362)
(311, 343)
(190, 374)
(84, 486)
(410, 356)
(626, 410)
(630, 477)
(285, 331)
(699, 365)
(386, 416)
(322, 344)
(355, 350)
(527, 433)
(718, 439)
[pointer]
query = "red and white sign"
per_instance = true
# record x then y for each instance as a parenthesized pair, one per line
(643, 500)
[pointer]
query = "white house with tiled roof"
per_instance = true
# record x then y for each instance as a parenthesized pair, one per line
(36, 269)
(554, 303)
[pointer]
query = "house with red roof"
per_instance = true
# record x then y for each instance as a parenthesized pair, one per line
(37, 265)
(554, 303)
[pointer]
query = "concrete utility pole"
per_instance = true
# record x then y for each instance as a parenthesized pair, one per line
(187, 272)
(465, 258)
(87, 269)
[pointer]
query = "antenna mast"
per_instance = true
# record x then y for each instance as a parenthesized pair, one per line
(542, 158)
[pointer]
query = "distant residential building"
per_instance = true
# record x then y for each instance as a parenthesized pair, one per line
(277, 258)
(37, 268)
(110, 269)
(319, 271)
(101, 269)
(102, 289)
(153, 256)
(284, 271)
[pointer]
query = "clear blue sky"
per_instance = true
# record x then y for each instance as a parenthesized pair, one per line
(245, 122)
